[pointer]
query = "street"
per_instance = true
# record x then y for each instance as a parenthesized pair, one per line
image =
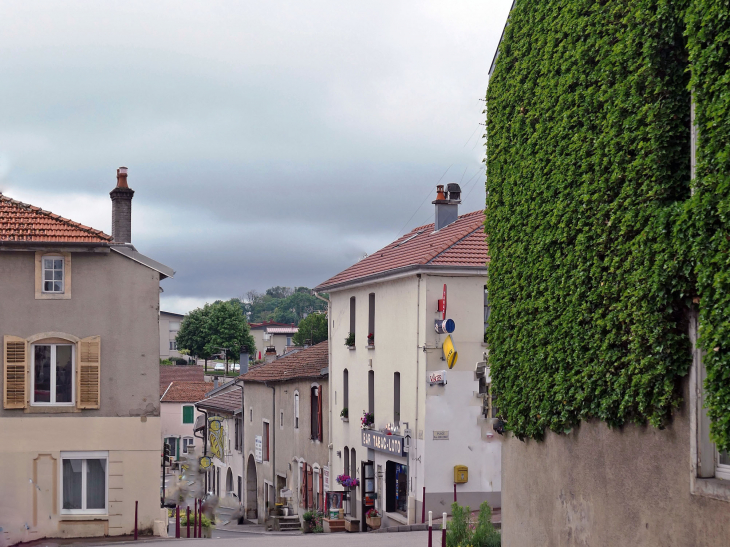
(225, 539)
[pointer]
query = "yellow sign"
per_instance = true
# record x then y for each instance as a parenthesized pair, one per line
(450, 352)
(216, 437)
(205, 462)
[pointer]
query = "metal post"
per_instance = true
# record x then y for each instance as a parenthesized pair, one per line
(136, 504)
(187, 521)
(443, 531)
(430, 529)
(200, 519)
(423, 507)
(177, 521)
(454, 492)
(195, 517)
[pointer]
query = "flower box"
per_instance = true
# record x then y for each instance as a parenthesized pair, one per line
(373, 522)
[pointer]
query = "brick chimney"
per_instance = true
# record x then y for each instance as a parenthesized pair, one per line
(447, 205)
(122, 209)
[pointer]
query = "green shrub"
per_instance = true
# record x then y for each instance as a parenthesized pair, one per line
(461, 532)
(207, 523)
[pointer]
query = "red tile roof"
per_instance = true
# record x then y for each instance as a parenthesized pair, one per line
(228, 402)
(305, 363)
(460, 244)
(187, 373)
(186, 392)
(20, 222)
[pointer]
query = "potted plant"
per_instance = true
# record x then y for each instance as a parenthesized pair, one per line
(367, 420)
(350, 340)
(207, 526)
(373, 518)
(308, 522)
(347, 481)
(371, 339)
(344, 414)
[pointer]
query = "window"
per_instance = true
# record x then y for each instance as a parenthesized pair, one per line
(53, 275)
(84, 482)
(238, 429)
(722, 469)
(188, 414)
(314, 412)
(266, 442)
(347, 461)
(187, 444)
(173, 345)
(53, 374)
(352, 315)
(487, 312)
(288, 340)
(174, 326)
(281, 419)
(345, 389)
(296, 410)
(396, 398)
(172, 442)
(371, 318)
(250, 414)
(371, 391)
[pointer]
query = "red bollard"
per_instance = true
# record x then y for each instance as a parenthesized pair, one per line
(430, 529)
(200, 519)
(177, 521)
(443, 531)
(187, 520)
(423, 506)
(136, 504)
(195, 518)
(454, 492)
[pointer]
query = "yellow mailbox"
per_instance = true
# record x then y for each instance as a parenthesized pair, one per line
(461, 474)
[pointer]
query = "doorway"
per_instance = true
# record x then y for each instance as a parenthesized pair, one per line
(229, 482)
(251, 489)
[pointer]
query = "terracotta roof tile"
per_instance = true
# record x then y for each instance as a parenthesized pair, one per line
(188, 373)
(186, 392)
(228, 402)
(461, 243)
(305, 363)
(22, 222)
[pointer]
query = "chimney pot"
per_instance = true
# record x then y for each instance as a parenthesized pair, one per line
(440, 192)
(447, 210)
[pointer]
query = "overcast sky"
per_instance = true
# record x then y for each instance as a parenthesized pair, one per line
(268, 143)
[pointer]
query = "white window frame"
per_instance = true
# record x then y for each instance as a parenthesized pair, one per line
(63, 273)
(186, 446)
(98, 455)
(53, 375)
(173, 345)
(296, 409)
(722, 471)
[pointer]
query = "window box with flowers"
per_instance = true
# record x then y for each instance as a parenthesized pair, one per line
(367, 420)
(371, 340)
(373, 519)
(344, 414)
(350, 340)
(347, 481)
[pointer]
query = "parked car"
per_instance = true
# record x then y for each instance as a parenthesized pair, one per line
(236, 367)
(220, 367)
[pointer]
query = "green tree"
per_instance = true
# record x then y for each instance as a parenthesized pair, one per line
(229, 329)
(313, 327)
(194, 333)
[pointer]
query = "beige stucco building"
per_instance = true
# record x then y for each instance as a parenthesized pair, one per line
(80, 413)
(395, 368)
(169, 327)
(272, 339)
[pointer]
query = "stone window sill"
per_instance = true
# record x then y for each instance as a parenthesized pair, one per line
(718, 489)
(344, 419)
(82, 517)
(351, 348)
(371, 346)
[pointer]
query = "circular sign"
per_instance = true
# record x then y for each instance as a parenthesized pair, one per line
(205, 462)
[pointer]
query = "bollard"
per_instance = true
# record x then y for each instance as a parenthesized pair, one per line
(195, 518)
(136, 504)
(430, 529)
(443, 531)
(187, 520)
(423, 507)
(177, 521)
(454, 492)
(200, 518)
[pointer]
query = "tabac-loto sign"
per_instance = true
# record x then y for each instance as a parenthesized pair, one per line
(390, 444)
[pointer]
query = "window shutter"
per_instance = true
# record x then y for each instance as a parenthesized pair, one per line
(310, 487)
(88, 373)
(319, 414)
(15, 383)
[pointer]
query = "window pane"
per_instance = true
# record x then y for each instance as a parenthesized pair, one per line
(58, 275)
(42, 374)
(48, 263)
(48, 275)
(58, 264)
(64, 373)
(48, 286)
(57, 287)
(72, 484)
(95, 484)
(724, 458)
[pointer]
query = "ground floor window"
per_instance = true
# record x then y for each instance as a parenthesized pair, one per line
(84, 482)
(396, 487)
(187, 445)
(722, 469)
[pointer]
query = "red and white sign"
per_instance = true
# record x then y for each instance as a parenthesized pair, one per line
(437, 377)
(442, 305)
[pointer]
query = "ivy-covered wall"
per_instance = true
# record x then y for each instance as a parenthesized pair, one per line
(588, 119)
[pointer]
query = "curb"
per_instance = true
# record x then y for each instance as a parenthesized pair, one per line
(402, 528)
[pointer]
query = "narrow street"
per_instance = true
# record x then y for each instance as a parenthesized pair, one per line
(404, 539)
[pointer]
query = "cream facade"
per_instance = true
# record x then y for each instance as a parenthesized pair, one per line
(275, 337)
(446, 424)
(169, 327)
(175, 430)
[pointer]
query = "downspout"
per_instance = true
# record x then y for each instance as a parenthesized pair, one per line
(330, 446)
(272, 434)
(418, 383)
(243, 452)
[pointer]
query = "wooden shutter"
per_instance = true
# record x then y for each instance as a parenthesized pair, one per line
(319, 413)
(88, 373)
(310, 487)
(15, 383)
(320, 494)
(303, 486)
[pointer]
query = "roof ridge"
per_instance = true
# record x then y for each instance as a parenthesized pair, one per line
(454, 244)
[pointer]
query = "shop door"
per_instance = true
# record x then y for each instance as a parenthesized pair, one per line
(368, 490)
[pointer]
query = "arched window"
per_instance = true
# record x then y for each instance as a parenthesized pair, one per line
(346, 469)
(296, 410)
(345, 391)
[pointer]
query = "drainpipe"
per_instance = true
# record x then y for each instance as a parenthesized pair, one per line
(272, 434)
(418, 383)
(330, 445)
(243, 452)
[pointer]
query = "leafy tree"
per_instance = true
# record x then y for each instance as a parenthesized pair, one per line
(194, 333)
(313, 327)
(280, 304)
(229, 329)
(279, 292)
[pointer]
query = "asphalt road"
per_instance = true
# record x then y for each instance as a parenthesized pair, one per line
(341, 539)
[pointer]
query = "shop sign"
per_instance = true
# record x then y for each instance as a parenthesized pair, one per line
(437, 377)
(390, 444)
(326, 475)
(258, 452)
(450, 353)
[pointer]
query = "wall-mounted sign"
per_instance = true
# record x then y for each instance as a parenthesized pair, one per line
(440, 435)
(205, 462)
(445, 326)
(437, 377)
(450, 353)
(442, 305)
(216, 437)
(326, 478)
(258, 453)
(390, 444)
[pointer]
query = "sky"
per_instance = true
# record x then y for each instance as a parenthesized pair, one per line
(268, 143)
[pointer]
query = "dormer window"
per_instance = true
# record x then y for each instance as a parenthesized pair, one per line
(53, 275)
